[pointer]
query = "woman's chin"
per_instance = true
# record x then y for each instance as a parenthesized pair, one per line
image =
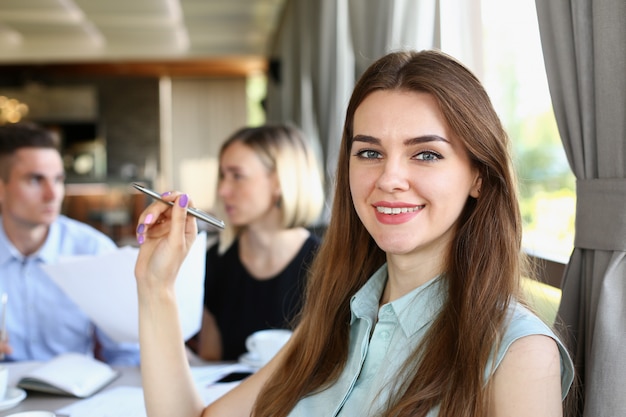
(395, 246)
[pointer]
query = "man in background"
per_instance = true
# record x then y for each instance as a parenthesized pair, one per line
(41, 320)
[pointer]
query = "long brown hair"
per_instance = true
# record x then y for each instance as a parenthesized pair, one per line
(482, 267)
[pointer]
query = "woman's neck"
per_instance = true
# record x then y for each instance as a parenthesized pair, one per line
(265, 253)
(407, 272)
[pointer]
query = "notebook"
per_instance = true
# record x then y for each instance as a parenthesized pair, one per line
(69, 374)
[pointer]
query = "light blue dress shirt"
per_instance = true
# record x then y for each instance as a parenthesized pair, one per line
(42, 321)
(381, 339)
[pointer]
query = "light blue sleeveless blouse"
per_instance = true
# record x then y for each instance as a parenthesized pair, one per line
(375, 363)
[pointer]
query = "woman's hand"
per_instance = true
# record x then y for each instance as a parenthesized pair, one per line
(165, 235)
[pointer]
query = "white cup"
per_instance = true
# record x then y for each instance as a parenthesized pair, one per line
(264, 344)
(4, 381)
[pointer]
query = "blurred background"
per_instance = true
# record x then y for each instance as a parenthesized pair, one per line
(146, 90)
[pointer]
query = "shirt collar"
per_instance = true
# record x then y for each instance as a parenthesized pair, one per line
(7, 250)
(364, 304)
(48, 253)
(420, 306)
(414, 310)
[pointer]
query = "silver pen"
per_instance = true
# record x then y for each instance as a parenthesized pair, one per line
(199, 214)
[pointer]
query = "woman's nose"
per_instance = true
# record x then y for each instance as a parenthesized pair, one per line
(222, 189)
(393, 177)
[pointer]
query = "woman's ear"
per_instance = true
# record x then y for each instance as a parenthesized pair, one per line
(475, 190)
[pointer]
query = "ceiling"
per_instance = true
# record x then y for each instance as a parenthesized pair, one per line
(74, 31)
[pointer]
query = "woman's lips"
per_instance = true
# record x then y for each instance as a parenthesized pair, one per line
(396, 214)
(397, 210)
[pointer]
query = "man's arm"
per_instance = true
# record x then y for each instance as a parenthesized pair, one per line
(113, 353)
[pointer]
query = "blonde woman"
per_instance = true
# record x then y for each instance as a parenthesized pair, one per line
(270, 189)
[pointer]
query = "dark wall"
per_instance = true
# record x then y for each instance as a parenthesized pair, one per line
(127, 117)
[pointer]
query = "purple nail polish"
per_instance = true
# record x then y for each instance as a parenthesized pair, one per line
(165, 194)
(183, 200)
(141, 239)
(149, 218)
(141, 228)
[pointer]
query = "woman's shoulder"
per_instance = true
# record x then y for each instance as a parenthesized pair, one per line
(307, 251)
(217, 263)
(312, 243)
(213, 249)
(520, 323)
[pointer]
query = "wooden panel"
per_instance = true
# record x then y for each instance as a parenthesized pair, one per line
(208, 67)
(203, 113)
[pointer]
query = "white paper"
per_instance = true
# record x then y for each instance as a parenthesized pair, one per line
(104, 287)
(128, 401)
(119, 401)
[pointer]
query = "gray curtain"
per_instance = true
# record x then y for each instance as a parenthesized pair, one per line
(584, 45)
(311, 72)
(322, 46)
(378, 27)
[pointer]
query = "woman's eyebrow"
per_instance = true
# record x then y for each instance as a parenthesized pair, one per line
(408, 142)
(425, 139)
(367, 139)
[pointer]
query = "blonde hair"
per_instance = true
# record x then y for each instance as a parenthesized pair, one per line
(284, 150)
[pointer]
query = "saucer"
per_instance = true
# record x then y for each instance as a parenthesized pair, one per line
(14, 397)
(251, 360)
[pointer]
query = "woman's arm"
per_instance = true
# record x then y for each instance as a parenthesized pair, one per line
(165, 235)
(209, 339)
(528, 381)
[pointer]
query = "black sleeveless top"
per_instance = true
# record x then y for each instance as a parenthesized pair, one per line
(242, 304)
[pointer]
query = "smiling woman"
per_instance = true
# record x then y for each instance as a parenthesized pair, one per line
(414, 305)
(408, 171)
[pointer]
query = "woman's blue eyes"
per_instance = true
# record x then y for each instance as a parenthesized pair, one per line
(421, 156)
(428, 156)
(368, 154)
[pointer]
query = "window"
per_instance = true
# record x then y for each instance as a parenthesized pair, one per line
(256, 89)
(514, 76)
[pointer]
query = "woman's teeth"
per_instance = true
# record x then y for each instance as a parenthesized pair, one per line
(397, 210)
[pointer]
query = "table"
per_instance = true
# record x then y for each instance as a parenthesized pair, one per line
(129, 376)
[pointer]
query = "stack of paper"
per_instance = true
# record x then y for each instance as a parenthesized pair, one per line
(104, 287)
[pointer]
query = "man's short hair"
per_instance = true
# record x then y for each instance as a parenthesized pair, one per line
(22, 135)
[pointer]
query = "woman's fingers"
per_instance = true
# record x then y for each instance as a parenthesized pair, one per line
(165, 233)
(179, 215)
(154, 217)
(183, 225)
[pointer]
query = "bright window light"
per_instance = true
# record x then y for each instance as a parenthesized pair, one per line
(514, 76)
